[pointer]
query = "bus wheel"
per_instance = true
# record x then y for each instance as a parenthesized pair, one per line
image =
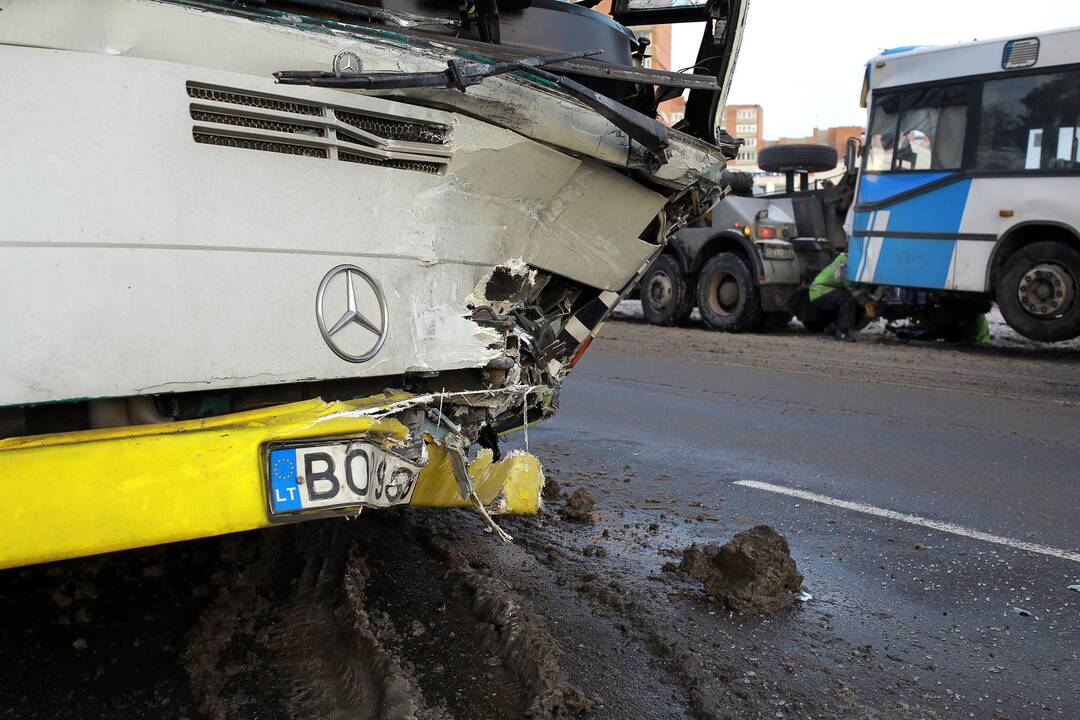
(726, 295)
(1038, 291)
(665, 293)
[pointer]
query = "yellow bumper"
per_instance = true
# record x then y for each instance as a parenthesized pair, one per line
(81, 493)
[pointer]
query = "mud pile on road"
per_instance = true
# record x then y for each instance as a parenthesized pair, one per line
(579, 506)
(752, 573)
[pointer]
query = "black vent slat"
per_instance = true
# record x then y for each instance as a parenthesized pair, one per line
(264, 145)
(259, 123)
(415, 165)
(301, 126)
(235, 98)
(394, 129)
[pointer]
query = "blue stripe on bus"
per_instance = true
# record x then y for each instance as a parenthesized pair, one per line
(910, 261)
(938, 211)
(914, 262)
(875, 188)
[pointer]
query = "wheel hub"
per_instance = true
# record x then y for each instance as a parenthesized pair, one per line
(1046, 290)
(724, 293)
(659, 290)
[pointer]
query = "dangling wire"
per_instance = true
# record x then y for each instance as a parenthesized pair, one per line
(525, 418)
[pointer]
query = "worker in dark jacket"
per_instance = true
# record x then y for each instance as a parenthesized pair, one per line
(834, 302)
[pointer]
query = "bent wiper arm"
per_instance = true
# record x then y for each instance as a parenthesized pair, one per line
(646, 130)
(458, 74)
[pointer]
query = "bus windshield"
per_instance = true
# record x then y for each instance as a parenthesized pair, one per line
(918, 130)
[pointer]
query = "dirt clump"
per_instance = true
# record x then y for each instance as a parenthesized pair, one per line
(752, 573)
(551, 489)
(579, 506)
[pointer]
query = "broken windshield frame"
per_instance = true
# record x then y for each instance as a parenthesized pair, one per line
(511, 29)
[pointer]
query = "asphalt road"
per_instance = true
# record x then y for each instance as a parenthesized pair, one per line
(976, 627)
(929, 494)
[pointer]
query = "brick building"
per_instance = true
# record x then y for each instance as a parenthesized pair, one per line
(746, 122)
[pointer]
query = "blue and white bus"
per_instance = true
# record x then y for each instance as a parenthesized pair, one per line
(970, 177)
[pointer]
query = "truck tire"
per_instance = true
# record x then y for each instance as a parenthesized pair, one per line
(665, 293)
(1038, 291)
(742, 184)
(726, 294)
(797, 158)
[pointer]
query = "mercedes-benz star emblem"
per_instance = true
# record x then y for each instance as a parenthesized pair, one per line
(352, 315)
(347, 61)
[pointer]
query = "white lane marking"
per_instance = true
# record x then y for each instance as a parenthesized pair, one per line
(914, 520)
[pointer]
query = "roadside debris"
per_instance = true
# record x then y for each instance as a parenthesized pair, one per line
(579, 506)
(1075, 588)
(1022, 612)
(551, 489)
(753, 572)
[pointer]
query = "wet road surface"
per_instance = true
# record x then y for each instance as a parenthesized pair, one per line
(939, 464)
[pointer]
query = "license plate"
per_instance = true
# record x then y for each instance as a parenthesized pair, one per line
(336, 474)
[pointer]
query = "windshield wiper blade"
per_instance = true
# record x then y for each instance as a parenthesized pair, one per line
(460, 75)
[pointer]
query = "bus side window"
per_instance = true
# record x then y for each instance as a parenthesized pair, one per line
(931, 129)
(1030, 122)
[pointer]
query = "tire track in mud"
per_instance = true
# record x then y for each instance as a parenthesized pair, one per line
(377, 618)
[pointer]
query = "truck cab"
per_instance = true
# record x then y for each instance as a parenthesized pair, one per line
(747, 262)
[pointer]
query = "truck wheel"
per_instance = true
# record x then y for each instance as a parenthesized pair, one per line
(665, 294)
(726, 295)
(1037, 291)
(797, 158)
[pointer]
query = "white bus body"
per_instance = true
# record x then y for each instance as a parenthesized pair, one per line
(970, 180)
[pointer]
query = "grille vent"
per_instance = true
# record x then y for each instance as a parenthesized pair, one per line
(260, 123)
(264, 123)
(418, 166)
(236, 98)
(394, 129)
(1020, 53)
(265, 145)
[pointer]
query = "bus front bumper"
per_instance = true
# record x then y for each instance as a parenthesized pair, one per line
(81, 493)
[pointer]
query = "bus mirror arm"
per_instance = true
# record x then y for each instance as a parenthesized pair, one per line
(851, 158)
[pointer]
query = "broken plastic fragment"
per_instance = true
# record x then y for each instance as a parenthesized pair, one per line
(1075, 588)
(1022, 612)
(803, 596)
(461, 474)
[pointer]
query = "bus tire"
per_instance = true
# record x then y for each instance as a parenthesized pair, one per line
(726, 295)
(665, 293)
(1038, 291)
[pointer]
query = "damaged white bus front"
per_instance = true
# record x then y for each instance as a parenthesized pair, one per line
(269, 261)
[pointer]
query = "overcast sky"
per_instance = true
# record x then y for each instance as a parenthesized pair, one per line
(803, 61)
